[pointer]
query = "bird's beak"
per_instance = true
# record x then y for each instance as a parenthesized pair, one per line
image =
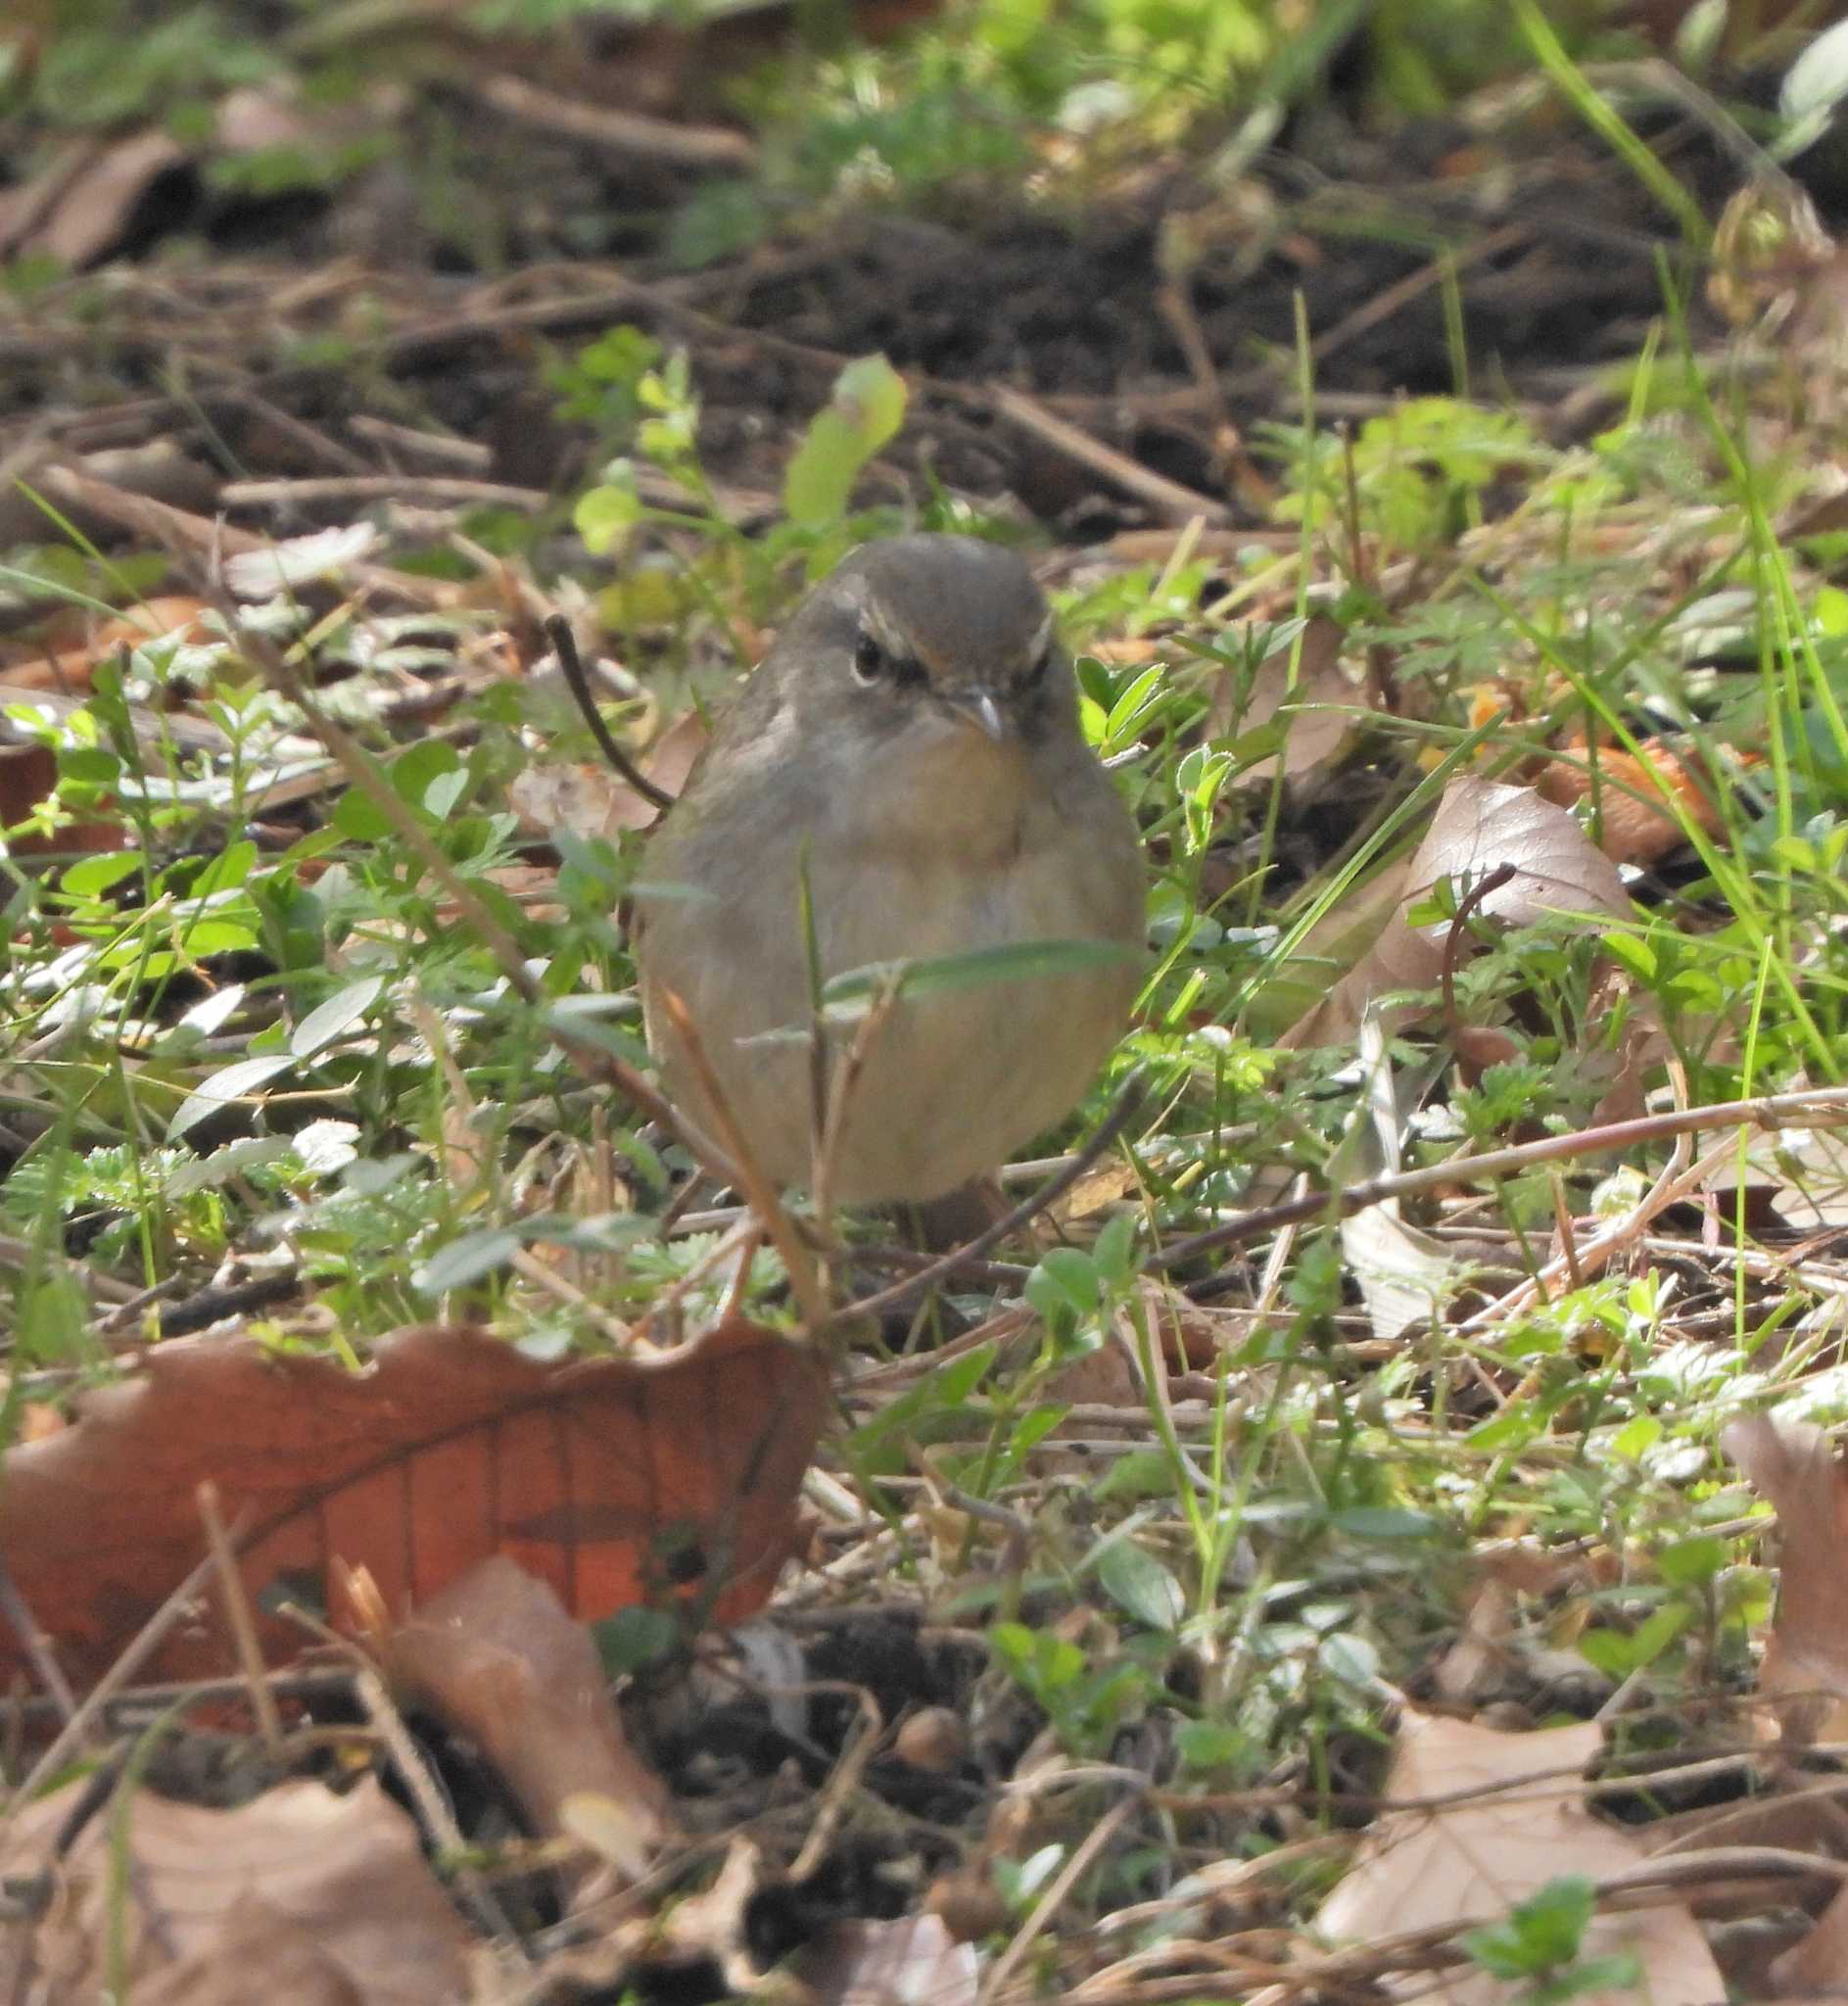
(980, 708)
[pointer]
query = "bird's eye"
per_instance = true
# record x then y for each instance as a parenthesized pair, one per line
(868, 660)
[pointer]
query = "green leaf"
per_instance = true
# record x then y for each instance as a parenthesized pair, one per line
(866, 410)
(1542, 1931)
(946, 1389)
(1065, 1278)
(219, 937)
(414, 771)
(358, 819)
(633, 1638)
(1140, 1585)
(1383, 1522)
(231, 1083)
(1013, 961)
(329, 1020)
(92, 765)
(1142, 1473)
(1633, 951)
(1113, 1254)
(442, 792)
(1692, 1562)
(467, 1260)
(225, 872)
(1212, 1744)
(605, 516)
(92, 875)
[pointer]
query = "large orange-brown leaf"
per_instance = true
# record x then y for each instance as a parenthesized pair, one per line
(611, 1479)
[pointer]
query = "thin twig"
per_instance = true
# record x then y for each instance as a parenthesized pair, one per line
(152, 1635)
(563, 1290)
(433, 1808)
(565, 647)
(35, 1643)
(838, 1792)
(1087, 1850)
(1171, 500)
(235, 1598)
(1768, 1110)
(619, 132)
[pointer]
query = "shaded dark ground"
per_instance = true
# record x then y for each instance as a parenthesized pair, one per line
(212, 322)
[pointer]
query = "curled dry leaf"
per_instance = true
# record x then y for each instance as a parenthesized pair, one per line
(496, 1655)
(298, 560)
(85, 213)
(610, 1479)
(1405, 1275)
(1635, 826)
(1474, 1664)
(1793, 1464)
(1521, 1824)
(328, 1896)
(1817, 1966)
(73, 661)
(1480, 826)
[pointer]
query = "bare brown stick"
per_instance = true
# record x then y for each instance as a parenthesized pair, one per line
(429, 491)
(35, 1643)
(204, 538)
(1128, 1106)
(1766, 1111)
(1171, 500)
(623, 132)
(237, 1615)
(1087, 1850)
(565, 646)
(1502, 874)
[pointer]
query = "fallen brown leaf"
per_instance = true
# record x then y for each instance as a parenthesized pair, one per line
(1817, 1966)
(93, 207)
(496, 1655)
(592, 801)
(912, 1961)
(1473, 1860)
(610, 1479)
(74, 663)
(1480, 826)
(1634, 823)
(1318, 712)
(1805, 1673)
(328, 1898)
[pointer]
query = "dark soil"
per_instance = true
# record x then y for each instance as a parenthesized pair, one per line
(1553, 253)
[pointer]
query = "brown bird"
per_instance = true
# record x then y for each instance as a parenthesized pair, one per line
(911, 742)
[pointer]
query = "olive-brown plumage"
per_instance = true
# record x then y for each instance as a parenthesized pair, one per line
(913, 736)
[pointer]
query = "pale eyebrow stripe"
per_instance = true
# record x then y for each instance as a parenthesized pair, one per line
(883, 628)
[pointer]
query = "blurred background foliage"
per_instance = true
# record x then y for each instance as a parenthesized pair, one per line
(847, 99)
